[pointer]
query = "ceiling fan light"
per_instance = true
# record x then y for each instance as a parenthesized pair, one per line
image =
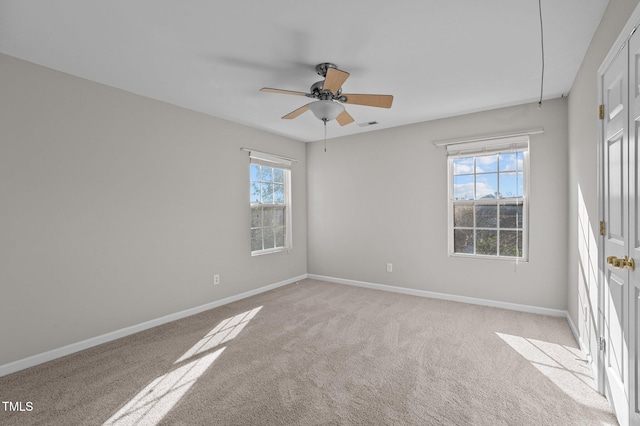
(326, 110)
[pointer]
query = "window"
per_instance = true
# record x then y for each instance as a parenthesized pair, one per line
(488, 202)
(270, 203)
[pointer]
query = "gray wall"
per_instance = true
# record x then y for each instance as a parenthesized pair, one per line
(382, 197)
(116, 209)
(583, 175)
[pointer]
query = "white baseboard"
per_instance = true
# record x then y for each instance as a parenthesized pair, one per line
(34, 360)
(584, 349)
(573, 328)
(444, 296)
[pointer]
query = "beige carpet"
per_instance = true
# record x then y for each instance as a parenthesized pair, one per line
(317, 353)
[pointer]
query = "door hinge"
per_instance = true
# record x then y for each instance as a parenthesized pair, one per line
(601, 112)
(602, 227)
(602, 344)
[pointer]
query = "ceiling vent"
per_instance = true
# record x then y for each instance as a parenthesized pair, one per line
(368, 123)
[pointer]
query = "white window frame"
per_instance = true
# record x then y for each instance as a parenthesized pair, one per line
(284, 164)
(477, 149)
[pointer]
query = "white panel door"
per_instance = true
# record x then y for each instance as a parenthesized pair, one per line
(614, 299)
(634, 228)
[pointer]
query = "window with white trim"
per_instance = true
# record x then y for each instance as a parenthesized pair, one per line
(270, 201)
(488, 202)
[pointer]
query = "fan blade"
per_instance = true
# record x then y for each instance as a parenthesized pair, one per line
(380, 101)
(334, 79)
(344, 118)
(283, 92)
(294, 114)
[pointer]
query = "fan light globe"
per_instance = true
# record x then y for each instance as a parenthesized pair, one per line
(326, 110)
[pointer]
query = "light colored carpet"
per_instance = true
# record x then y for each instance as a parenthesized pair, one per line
(316, 353)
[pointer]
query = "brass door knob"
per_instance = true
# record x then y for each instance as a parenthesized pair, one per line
(629, 263)
(621, 263)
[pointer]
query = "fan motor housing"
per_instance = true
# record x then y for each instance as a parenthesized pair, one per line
(316, 87)
(317, 91)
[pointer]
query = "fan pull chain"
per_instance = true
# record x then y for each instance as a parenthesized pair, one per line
(325, 135)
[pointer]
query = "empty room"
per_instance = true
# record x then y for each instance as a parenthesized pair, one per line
(285, 213)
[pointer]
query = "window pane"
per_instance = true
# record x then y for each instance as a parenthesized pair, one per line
(269, 238)
(256, 239)
(508, 162)
(511, 216)
(463, 241)
(254, 196)
(487, 216)
(267, 174)
(278, 193)
(267, 217)
(279, 236)
(278, 175)
(486, 186)
(487, 242)
(278, 217)
(511, 243)
(254, 172)
(463, 215)
(256, 217)
(267, 193)
(511, 185)
(463, 187)
(487, 163)
(463, 166)
(520, 160)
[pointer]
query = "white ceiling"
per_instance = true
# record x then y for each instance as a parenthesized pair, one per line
(438, 58)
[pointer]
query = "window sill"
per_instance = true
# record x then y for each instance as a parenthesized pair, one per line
(269, 251)
(484, 257)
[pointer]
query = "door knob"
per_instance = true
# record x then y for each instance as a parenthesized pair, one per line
(629, 263)
(614, 261)
(621, 263)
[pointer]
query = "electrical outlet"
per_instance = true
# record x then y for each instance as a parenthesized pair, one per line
(216, 279)
(389, 267)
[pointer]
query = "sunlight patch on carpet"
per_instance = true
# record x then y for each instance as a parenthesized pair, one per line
(227, 329)
(562, 365)
(154, 401)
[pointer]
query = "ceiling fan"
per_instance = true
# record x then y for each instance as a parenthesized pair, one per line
(329, 96)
